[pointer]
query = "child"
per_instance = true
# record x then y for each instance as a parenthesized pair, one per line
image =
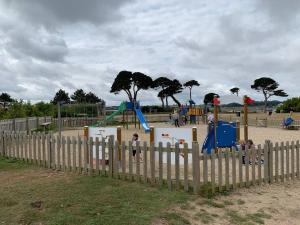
(135, 140)
(176, 119)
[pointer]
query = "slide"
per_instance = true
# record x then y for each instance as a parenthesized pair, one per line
(142, 119)
(209, 143)
(121, 108)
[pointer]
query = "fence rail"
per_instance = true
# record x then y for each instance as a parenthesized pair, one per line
(258, 122)
(177, 168)
(32, 123)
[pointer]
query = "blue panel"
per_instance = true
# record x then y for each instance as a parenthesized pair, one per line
(288, 121)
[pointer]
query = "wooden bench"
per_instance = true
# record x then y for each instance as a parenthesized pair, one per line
(293, 127)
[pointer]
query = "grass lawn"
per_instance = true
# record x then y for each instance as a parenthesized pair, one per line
(33, 195)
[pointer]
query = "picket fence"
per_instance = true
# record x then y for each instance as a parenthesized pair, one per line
(190, 170)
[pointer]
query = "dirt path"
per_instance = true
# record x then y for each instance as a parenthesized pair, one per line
(276, 204)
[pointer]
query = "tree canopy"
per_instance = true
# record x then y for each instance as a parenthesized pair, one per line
(190, 84)
(131, 84)
(269, 88)
(79, 96)
(292, 104)
(61, 96)
(6, 98)
(92, 98)
(162, 83)
(175, 87)
(235, 90)
(209, 98)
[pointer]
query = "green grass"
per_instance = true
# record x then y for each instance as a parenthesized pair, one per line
(38, 196)
(11, 164)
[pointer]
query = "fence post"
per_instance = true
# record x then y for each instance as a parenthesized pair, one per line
(267, 161)
(196, 167)
(14, 125)
(37, 123)
(3, 143)
(27, 125)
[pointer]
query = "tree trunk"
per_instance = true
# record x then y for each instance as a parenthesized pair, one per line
(266, 104)
(175, 100)
(190, 93)
(162, 102)
(167, 102)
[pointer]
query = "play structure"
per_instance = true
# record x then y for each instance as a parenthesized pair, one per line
(289, 123)
(225, 134)
(191, 111)
(124, 108)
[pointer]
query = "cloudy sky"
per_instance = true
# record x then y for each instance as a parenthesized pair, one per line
(70, 44)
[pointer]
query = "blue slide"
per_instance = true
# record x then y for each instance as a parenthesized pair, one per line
(142, 119)
(209, 143)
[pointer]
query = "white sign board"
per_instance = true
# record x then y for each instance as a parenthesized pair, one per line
(173, 136)
(101, 132)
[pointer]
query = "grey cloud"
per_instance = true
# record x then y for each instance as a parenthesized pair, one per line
(219, 44)
(39, 46)
(54, 12)
(281, 12)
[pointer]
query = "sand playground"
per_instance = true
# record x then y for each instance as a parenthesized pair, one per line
(258, 134)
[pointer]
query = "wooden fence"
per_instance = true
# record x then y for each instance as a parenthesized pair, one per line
(258, 122)
(177, 168)
(32, 123)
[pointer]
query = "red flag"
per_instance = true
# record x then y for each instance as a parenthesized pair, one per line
(216, 101)
(249, 101)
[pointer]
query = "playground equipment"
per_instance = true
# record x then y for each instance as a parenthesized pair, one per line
(225, 134)
(123, 108)
(192, 111)
(289, 123)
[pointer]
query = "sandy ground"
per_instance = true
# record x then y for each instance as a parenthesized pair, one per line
(257, 134)
(273, 204)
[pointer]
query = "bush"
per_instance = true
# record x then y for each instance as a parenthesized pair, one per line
(292, 104)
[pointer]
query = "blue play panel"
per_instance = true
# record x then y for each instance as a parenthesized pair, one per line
(226, 136)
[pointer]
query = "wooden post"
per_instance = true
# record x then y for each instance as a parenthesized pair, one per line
(245, 118)
(27, 125)
(119, 139)
(123, 119)
(216, 119)
(86, 137)
(194, 134)
(151, 135)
